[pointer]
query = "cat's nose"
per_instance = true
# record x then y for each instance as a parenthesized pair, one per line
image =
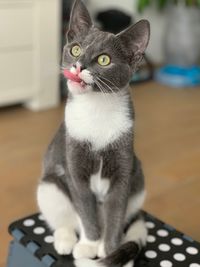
(82, 67)
(79, 67)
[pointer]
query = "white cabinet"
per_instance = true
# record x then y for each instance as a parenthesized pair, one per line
(30, 52)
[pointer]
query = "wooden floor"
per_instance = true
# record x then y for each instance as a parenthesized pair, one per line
(167, 141)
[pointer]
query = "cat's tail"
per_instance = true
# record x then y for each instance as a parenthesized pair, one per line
(126, 254)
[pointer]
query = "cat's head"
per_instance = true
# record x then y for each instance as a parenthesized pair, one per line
(97, 60)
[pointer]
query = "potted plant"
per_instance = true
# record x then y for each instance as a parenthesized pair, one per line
(181, 45)
(182, 35)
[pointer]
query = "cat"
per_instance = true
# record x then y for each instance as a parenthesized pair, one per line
(92, 185)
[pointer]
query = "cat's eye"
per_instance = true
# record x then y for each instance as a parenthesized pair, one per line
(104, 60)
(75, 51)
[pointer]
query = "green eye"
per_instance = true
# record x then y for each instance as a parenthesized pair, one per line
(76, 51)
(104, 60)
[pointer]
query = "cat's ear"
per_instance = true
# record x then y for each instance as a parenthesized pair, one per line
(80, 20)
(136, 37)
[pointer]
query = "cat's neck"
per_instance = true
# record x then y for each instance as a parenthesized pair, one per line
(98, 118)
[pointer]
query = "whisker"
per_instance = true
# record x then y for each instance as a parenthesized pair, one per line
(118, 89)
(102, 90)
(63, 67)
(99, 83)
(105, 85)
(107, 95)
(102, 77)
(100, 80)
(99, 86)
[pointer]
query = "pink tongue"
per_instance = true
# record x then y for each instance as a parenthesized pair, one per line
(68, 74)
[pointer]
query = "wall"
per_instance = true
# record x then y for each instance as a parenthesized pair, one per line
(158, 24)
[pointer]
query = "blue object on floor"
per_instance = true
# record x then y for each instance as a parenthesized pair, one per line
(32, 246)
(177, 76)
(20, 256)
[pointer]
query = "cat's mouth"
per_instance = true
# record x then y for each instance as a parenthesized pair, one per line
(74, 78)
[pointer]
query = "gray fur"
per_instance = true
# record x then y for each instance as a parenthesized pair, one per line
(78, 159)
(126, 48)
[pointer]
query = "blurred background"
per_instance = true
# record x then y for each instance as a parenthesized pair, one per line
(165, 91)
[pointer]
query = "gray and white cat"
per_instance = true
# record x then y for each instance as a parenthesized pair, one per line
(92, 186)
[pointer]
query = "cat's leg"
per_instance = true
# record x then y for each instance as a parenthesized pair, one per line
(86, 247)
(135, 203)
(114, 209)
(115, 217)
(60, 215)
(137, 231)
(89, 230)
(129, 264)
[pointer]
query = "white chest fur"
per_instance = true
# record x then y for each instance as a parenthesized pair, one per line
(98, 118)
(99, 185)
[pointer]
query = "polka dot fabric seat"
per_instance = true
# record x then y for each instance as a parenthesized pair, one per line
(166, 247)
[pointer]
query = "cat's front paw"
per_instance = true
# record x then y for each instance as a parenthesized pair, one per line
(85, 250)
(64, 241)
(129, 264)
(101, 250)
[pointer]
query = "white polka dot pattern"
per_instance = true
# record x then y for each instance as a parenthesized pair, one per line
(164, 247)
(28, 222)
(150, 254)
(150, 225)
(177, 241)
(41, 217)
(192, 250)
(39, 230)
(151, 238)
(162, 233)
(49, 239)
(179, 257)
(166, 263)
